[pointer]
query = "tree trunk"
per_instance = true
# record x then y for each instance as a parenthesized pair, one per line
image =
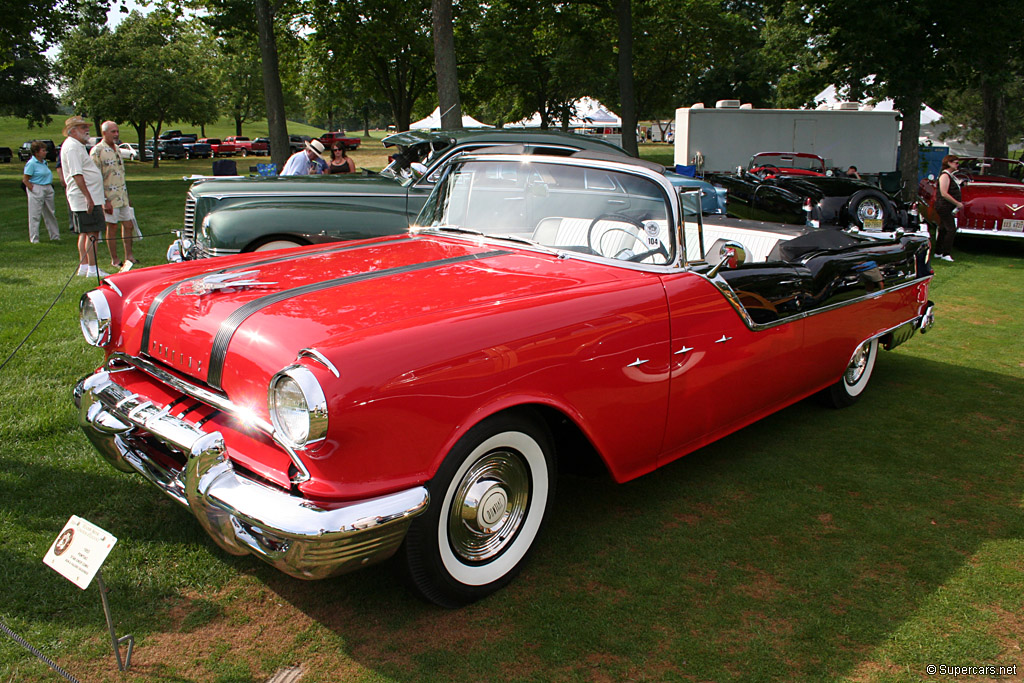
(156, 144)
(272, 93)
(238, 125)
(140, 130)
(445, 65)
(909, 107)
(993, 107)
(627, 94)
(366, 120)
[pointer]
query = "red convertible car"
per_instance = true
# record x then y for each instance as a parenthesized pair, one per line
(326, 407)
(993, 196)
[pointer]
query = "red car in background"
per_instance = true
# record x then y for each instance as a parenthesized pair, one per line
(219, 147)
(339, 136)
(993, 196)
(245, 146)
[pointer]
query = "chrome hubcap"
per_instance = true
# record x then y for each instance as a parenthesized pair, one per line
(869, 209)
(857, 366)
(489, 506)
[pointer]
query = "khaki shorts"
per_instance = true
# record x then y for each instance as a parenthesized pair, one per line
(121, 214)
(85, 221)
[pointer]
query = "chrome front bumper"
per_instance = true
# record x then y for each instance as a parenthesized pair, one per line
(298, 536)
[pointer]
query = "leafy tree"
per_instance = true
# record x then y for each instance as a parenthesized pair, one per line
(988, 58)
(29, 27)
(163, 83)
(385, 46)
(527, 56)
(240, 79)
(896, 41)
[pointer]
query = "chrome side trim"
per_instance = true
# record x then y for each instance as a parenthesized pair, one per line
(210, 398)
(300, 537)
(320, 358)
(293, 195)
(991, 233)
(734, 301)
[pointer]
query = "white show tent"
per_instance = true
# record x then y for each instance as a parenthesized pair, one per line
(587, 113)
(433, 122)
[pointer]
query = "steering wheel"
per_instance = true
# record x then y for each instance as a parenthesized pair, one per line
(637, 238)
(765, 170)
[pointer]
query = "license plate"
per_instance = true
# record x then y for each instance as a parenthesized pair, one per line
(872, 224)
(1013, 226)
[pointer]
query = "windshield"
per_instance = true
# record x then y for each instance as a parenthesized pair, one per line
(583, 208)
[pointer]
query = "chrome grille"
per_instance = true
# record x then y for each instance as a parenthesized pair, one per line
(190, 218)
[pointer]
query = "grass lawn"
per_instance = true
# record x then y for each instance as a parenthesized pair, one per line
(861, 544)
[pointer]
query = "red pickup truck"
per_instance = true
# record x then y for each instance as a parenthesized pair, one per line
(245, 146)
(339, 136)
(219, 148)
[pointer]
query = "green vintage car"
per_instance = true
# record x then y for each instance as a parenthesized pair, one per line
(232, 215)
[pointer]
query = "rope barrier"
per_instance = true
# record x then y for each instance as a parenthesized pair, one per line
(39, 655)
(61, 293)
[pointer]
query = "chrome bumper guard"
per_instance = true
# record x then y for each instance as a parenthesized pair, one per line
(904, 332)
(295, 535)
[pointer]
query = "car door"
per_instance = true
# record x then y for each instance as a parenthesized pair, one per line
(723, 374)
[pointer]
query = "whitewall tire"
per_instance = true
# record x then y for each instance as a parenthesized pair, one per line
(487, 504)
(855, 380)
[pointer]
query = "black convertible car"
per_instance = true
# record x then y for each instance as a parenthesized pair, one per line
(796, 188)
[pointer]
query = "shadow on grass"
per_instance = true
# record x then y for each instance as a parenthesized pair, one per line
(790, 549)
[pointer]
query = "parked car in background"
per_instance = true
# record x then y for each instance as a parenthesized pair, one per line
(25, 151)
(129, 151)
(992, 190)
(347, 141)
(220, 148)
(797, 188)
(170, 134)
(169, 149)
(6, 155)
(297, 143)
(328, 407)
(255, 214)
(195, 150)
(245, 146)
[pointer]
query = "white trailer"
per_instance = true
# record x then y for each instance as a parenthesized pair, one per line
(727, 136)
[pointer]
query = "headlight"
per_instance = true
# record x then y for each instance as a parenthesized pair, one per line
(94, 318)
(297, 406)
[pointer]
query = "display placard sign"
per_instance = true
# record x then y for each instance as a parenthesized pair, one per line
(79, 551)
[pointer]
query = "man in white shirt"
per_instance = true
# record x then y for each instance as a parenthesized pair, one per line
(307, 161)
(84, 184)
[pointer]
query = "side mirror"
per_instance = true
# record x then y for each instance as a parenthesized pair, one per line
(739, 170)
(732, 254)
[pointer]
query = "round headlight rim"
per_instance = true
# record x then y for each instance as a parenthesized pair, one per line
(101, 307)
(316, 406)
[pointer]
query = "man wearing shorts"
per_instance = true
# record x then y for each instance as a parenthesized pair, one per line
(111, 166)
(84, 184)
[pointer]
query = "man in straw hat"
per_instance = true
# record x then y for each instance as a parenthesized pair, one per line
(307, 161)
(84, 190)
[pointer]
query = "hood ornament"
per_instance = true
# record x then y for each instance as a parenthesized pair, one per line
(219, 281)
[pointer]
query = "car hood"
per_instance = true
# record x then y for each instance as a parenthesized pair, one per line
(293, 186)
(250, 316)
